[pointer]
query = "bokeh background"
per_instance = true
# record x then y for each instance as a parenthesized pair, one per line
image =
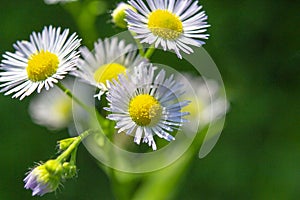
(256, 47)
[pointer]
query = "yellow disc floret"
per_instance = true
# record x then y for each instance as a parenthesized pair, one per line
(144, 110)
(41, 66)
(165, 24)
(108, 72)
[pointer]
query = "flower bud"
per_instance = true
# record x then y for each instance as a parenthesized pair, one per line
(119, 15)
(70, 170)
(44, 178)
(65, 143)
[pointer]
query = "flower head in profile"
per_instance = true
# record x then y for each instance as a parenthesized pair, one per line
(52, 109)
(110, 58)
(39, 63)
(144, 104)
(44, 178)
(173, 24)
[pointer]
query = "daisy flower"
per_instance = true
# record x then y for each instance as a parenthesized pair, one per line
(110, 58)
(173, 24)
(144, 104)
(39, 63)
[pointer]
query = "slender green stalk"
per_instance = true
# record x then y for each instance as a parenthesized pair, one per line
(70, 94)
(73, 157)
(149, 52)
(139, 45)
(90, 110)
(66, 154)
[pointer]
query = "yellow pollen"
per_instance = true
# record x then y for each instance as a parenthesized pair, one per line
(41, 66)
(145, 110)
(165, 24)
(108, 72)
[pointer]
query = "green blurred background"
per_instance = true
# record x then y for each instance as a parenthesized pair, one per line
(256, 46)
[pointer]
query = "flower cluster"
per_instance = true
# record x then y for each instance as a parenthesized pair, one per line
(48, 176)
(140, 99)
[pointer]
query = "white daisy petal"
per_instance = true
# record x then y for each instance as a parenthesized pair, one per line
(138, 135)
(194, 8)
(148, 138)
(141, 8)
(181, 7)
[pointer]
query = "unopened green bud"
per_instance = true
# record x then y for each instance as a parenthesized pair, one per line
(54, 167)
(65, 143)
(70, 170)
(119, 14)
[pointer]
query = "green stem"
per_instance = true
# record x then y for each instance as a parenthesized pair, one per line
(149, 52)
(66, 154)
(139, 45)
(90, 110)
(70, 94)
(73, 157)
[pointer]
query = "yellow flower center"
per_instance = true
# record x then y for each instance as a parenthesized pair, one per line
(165, 24)
(144, 110)
(41, 66)
(108, 72)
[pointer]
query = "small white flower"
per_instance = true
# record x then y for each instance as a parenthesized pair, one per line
(58, 1)
(110, 58)
(173, 24)
(52, 109)
(40, 63)
(144, 104)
